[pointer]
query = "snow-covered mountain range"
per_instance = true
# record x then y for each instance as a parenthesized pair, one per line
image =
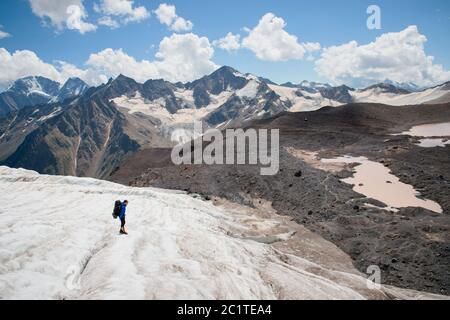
(59, 241)
(225, 96)
(71, 129)
(308, 96)
(31, 91)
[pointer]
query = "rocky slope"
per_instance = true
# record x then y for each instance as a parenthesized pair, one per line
(87, 132)
(411, 245)
(87, 137)
(31, 91)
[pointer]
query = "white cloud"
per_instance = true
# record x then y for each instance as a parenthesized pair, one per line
(180, 24)
(123, 9)
(167, 15)
(110, 63)
(21, 64)
(108, 22)
(312, 46)
(229, 43)
(183, 57)
(398, 56)
(62, 14)
(4, 34)
(75, 20)
(269, 41)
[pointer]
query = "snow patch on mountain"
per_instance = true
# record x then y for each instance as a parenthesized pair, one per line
(250, 90)
(137, 104)
(51, 115)
(178, 126)
(302, 100)
(378, 96)
(186, 96)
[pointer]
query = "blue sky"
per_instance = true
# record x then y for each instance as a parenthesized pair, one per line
(328, 23)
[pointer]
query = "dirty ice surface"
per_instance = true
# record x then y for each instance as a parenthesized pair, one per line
(58, 240)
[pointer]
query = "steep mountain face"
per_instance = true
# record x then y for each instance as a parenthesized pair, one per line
(31, 91)
(223, 79)
(35, 86)
(88, 137)
(72, 88)
(340, 94)
(83, 131)
(224, 98)
(254, 101)
(27, 91)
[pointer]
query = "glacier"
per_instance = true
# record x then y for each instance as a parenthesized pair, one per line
(58, 240)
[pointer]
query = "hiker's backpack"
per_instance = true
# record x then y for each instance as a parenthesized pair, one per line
(117, 209)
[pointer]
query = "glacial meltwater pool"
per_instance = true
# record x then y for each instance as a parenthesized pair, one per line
(433, 142)
(429, 130)
(375, 181)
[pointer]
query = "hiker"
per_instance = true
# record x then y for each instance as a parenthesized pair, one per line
(122, 215)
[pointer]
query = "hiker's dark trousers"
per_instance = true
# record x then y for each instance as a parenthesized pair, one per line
(122, 222)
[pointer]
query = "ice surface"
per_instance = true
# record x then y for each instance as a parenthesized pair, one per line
(377, 96)
(307, 102)
(58, 240)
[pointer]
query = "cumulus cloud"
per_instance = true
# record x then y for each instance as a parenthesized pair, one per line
(62, 14)
(125, 10)
(75, 20)
(230, 42)
(398, 56)
(21, 64)
(167, 15)
(269, 41)
(183, 57)
(110, 63)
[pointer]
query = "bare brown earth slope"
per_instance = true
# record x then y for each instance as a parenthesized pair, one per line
(411, 246)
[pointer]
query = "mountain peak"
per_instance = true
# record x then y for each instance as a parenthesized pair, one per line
(122, 77)
(387, 88)
(35, 85)
(408, 86)
(226, 69)
(75, 79)
(71, 88)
